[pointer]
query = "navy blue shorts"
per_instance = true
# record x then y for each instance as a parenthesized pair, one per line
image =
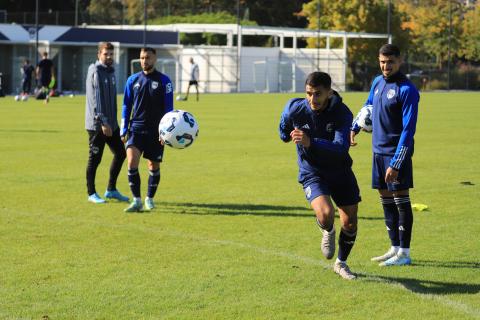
(148, 144)
(379, 168)
(340, 185)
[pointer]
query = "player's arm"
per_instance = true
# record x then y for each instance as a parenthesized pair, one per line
(168, 94)
(410, 99)
(355, 128)
(126, 109)
(286, 123)
(100, 108)
(340, 142)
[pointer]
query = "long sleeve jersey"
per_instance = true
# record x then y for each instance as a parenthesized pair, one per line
(329, 133)
(101, 97)
(146, 100)
(394, 118)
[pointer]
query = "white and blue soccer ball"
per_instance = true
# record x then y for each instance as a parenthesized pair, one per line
(364, 118)
(178, 129)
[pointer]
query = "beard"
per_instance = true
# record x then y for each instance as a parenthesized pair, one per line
(147, 68)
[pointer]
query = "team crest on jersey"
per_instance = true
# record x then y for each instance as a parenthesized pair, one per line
(391, 93)
(168, 88)
(154, 85)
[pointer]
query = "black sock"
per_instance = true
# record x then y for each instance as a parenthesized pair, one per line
(322, 227)
(134, 182)
(405, 220)
(153, 181)
(390, 212)
(346, 240)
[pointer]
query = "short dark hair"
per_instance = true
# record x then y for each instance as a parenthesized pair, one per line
(104, 45)
(319, 78)
(149, 49)
(45, 54)
(389, 50)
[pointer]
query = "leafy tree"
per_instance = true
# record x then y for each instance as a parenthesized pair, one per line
(106, 11)
(355, 16)
(470, 39)
(428, 24)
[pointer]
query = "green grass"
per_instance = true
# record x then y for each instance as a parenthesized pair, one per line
(232, 237)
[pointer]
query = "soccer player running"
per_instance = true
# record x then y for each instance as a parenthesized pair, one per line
(45, 73)
(194, 76)
(395, 107)
(320, 127)
(148, 96)
(101, 123)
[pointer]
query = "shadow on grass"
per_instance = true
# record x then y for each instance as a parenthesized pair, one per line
(233, 209)
(447, 264)
(429, 286)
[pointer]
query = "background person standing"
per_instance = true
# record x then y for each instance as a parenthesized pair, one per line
(194, 76)
(27, 75)
(45, 73)
(394, 119)
(101, 123)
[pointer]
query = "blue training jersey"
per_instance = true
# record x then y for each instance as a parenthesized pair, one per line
(147, 98)
(394, 117)
(329, 132)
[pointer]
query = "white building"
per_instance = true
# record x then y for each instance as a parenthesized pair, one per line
(226, 68)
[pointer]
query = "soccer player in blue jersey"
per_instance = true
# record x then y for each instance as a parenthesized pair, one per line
(319, 125)
(394, 118)
(148, 96)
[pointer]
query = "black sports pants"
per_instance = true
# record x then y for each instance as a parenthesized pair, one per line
(97, 141)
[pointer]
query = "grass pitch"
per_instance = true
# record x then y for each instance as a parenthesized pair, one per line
(232, 236)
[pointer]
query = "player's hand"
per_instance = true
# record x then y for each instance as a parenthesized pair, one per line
(107, 130)
(161, 141)
(124, 139)
(300, 137)
(352, 138)
(391, 175)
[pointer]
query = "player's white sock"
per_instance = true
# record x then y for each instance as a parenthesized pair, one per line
(404, 252)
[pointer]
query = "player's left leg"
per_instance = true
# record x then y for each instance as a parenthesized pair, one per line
(346, 240)
(153, 153)
(153, 182)
(119, 154)
(198, 94)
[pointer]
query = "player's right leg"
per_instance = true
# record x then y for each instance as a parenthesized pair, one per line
(325, 214)
(390, 211)
(133, 159)
(96, 144)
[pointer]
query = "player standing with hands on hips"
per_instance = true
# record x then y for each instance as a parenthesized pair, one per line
(101, 123)
(394, 118)
(320, 127)
(148, 97)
